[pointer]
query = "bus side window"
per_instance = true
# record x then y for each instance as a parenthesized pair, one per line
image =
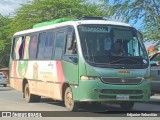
(17, 48)
(14, 48)
(60, 36)
(49, 45)
(26, 47)
(41, 46)
(71, 47)
(33, 47)
(21, 48)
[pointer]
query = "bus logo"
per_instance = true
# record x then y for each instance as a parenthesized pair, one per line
(123, 80)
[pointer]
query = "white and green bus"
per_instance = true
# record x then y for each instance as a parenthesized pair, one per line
(70, 60)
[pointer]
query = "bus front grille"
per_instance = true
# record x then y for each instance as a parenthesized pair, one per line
(113, 91)
(111, 80)
(136, 97)
(112, 94)
(114, 97)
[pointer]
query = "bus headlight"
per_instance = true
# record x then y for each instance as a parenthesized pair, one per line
(89, 78)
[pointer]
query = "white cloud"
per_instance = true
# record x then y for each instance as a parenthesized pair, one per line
(8, 7)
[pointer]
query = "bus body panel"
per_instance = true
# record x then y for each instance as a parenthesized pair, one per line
(95, 90)
(111, 72)
(92, 90)
(70, 71)
(44, 77)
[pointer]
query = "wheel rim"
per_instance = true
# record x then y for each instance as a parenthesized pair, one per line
(69, 100)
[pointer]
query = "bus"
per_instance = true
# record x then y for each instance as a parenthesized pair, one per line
(70, 60)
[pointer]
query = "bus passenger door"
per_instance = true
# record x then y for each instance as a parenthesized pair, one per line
(70, 58)
(66, 60)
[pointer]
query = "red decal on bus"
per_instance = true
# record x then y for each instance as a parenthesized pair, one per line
(60, 74)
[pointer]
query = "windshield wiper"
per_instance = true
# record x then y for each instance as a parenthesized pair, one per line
(123, 59)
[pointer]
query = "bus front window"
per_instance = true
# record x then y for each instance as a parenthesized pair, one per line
(112, 46)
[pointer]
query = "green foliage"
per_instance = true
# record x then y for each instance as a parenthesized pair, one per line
(5, 40)
(45, 10)
(147, 10)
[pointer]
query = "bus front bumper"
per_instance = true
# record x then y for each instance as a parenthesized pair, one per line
(93, 90)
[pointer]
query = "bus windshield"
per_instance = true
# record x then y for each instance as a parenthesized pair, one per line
(112, 46)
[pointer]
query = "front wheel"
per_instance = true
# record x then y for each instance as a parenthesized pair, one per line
(70, 104)
(30, 97)
(127, 105)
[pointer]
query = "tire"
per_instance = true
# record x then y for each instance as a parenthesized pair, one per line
(70, 104)
(30, 97)
(127, 105)
(5, 85)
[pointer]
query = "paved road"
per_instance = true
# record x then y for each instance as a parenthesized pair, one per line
(12, 100)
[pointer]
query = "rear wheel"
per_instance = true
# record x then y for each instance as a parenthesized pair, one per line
(30, 97)
(127, 105)
(70, 104)
(5, 85)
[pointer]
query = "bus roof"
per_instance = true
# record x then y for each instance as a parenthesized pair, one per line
(40, 27)
(53, 22)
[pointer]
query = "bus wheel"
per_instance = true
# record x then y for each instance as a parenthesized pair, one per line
(30, 97)
(127, 105)
(70, 104)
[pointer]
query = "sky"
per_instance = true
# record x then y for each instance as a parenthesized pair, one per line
(8, 7)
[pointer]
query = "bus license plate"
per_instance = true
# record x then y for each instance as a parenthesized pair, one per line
(122, 97)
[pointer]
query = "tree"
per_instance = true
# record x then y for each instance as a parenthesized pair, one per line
(5, 40)
(46, 10)
(147, 10)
